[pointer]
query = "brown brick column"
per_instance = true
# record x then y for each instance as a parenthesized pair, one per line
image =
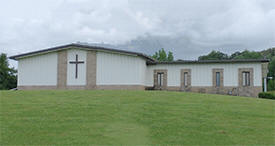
(214, 71)
(247, 90)
(91, 70)
(62, 70)
(164, 71)
(218, 89)
(240, 76)
(188, 87)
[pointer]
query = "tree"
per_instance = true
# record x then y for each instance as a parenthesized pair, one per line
(248, 55)
(271, 85)
(170, 56)
(156, 56)
(271, 73)
(271, 68)
(269, 53)
(8, 79)
(161, 55)
(214, 55)
(234, 55)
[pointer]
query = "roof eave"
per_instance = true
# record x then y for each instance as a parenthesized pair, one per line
(97, 48)
(53, 49)
(211, 61)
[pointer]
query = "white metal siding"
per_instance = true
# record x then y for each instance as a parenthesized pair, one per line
(120, 69)
(201, 74)
(38, 70)
(81, 79)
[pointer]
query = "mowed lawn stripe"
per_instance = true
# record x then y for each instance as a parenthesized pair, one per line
(133, 117)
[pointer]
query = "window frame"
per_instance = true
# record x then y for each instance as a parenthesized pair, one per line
(185, 79)
(246, 78)
(160, 79)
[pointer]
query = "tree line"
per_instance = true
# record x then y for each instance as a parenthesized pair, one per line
(217, 55)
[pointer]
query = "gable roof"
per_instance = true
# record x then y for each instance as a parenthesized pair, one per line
(150, 60)
(85, 46)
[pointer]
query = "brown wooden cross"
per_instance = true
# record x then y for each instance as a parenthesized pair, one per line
(76, 62)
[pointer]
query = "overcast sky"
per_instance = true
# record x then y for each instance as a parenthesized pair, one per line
(190, 27)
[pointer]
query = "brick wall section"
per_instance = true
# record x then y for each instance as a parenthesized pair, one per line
(250, 91)
(91, 70)
(164, 71)
(236, 91)
(174, 88)
(120, 87)
(188, 71)
(37, 87)
(62, 69)
(72, 87)
(226, 90)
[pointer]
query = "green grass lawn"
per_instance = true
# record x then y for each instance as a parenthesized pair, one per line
(134, 117)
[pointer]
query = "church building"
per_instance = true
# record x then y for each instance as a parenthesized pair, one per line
(81, 66)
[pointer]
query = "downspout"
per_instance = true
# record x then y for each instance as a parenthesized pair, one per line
(265, 84)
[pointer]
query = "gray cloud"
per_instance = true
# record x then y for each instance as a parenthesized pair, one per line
(188, 28)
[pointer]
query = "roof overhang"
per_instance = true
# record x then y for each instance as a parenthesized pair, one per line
(149, 60)
(81, 46)
(210, 61)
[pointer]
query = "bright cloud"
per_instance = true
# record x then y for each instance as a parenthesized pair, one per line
(189, 27)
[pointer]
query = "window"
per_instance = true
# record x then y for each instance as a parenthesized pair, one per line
(185, 79)
(218, 79)
(246, 78)
(160, 79)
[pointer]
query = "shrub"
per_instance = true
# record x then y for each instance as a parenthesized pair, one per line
(267, 95)
(271, 85)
